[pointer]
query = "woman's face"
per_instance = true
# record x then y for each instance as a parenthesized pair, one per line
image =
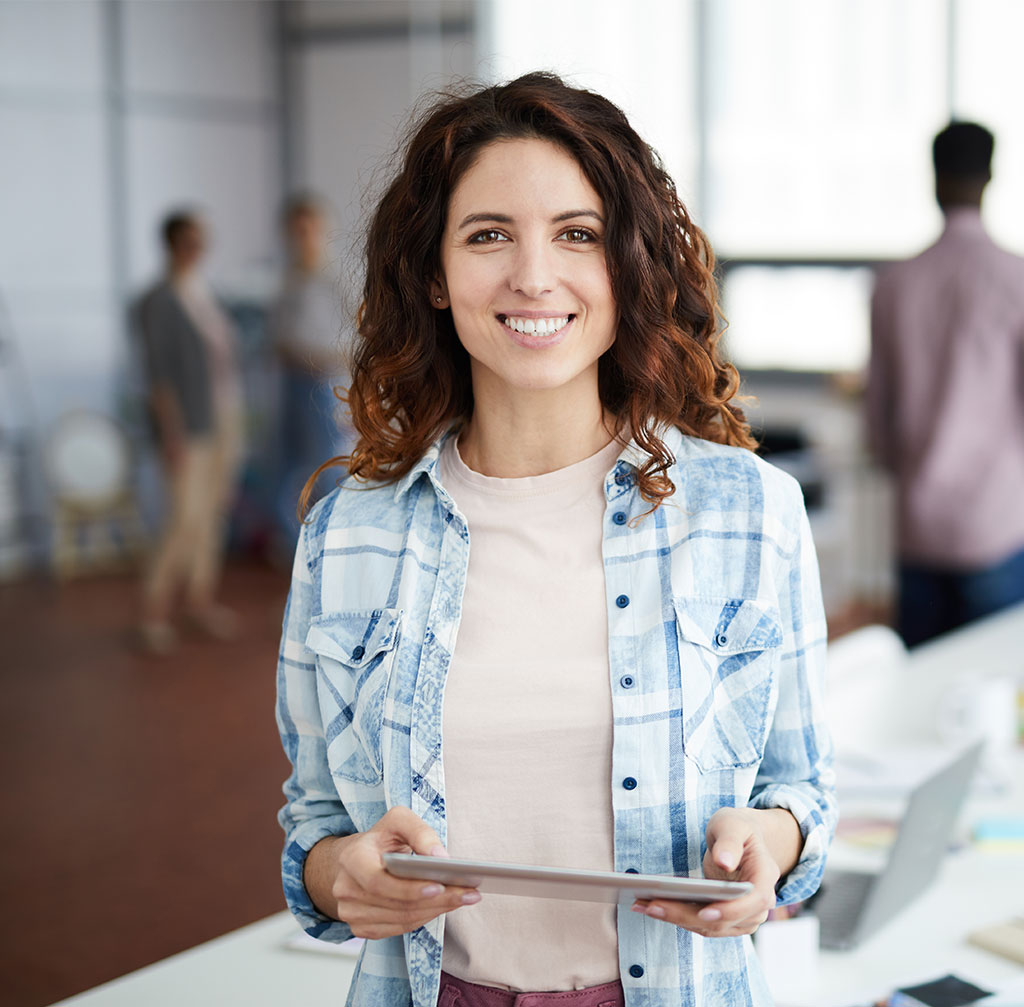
(524, 271)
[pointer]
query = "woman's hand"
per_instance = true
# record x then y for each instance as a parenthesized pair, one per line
(346, 879)
(743, 844)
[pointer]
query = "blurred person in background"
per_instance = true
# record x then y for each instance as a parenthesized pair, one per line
(945, 404)
(195, 402)
(306, 334)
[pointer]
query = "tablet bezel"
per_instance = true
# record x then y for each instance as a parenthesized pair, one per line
(560, 883)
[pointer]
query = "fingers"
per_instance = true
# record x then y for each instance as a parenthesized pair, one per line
(717, 919)
(377, 904)
(402, 827)
(369, 917)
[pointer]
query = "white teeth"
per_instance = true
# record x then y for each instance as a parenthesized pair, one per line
(536, 326)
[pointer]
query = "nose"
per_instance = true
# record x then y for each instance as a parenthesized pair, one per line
(533, 270)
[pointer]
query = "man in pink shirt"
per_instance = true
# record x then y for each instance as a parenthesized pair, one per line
(945, 404)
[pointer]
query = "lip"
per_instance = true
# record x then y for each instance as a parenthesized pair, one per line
(535, 342)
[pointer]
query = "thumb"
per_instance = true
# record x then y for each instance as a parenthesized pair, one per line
(407, 828)
(727, 841)
(726, 854)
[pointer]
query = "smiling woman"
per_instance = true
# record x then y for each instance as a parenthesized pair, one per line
(558, 614)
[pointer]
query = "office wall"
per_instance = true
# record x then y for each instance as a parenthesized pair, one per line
(352, 82)
(111, 112)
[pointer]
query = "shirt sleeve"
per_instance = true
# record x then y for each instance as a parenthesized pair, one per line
(313, 810)
(156, 340)
(796, 772)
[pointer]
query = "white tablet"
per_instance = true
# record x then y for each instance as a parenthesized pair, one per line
(559, 882)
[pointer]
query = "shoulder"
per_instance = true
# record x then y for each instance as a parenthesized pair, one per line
(720, 470)
(1009, 266)
(731, 491)
(894, 276)
(159, 295)
(353, 500)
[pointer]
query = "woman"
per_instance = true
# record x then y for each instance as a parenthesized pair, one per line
(559, 613)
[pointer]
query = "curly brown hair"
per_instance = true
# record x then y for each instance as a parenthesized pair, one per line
(411, 375)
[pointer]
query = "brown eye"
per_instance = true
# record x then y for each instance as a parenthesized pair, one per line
(487, 237)
(579, 235)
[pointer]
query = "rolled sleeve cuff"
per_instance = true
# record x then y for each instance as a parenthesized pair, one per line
(300, 841)
(815, 813)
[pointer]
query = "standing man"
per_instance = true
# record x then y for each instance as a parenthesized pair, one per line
(306, 329)
(195, 403)
(945, 403)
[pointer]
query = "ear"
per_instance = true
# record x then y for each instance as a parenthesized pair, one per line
(438, 295)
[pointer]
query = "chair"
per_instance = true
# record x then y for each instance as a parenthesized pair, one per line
(97, 524)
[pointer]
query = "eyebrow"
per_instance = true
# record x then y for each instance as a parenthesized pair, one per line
(504, 218)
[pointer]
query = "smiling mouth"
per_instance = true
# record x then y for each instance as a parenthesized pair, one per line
(535, 326)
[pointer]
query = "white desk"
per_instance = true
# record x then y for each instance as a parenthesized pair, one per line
(251, 966)
(975, 887)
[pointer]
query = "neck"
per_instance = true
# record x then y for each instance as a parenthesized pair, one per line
(532, 433)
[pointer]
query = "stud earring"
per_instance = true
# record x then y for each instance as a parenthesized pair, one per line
(438, 298)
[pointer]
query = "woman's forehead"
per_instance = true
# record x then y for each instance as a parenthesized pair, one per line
(524, 175)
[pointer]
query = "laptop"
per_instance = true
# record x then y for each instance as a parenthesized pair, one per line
(852, 905)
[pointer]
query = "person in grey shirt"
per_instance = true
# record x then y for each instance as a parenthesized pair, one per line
(195, 403)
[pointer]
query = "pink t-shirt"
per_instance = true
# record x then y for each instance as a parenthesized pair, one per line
(528, 722)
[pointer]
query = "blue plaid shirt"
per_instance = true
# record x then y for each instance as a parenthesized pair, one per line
(716, 646)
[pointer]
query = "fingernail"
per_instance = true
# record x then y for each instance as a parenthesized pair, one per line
(655, 911)
(471, 898)
(727, 861)
(429, 891)
(438, 851)
(639, 909)
(709, 915)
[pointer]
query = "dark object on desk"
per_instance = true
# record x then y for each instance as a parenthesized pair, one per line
(854, 904)
(949, 991)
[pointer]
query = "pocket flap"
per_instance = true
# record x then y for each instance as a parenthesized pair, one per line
(728, 625)
(354, 638)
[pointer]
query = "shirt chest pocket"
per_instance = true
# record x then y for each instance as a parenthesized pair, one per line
(355, 654)
(728, 651)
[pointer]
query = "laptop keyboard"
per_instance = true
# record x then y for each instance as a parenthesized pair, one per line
(838, 906)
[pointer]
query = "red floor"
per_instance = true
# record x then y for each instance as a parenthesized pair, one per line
(140, 793)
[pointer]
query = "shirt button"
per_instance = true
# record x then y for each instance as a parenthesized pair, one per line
(721, 640)
(357, 654)
(631, 870)
(627, 681)
(629, 783)
(622, 601)
(619, 517)
(636, 971)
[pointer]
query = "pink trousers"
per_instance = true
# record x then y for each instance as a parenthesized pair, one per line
(458, 993)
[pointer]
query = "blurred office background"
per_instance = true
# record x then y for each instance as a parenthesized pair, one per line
(799, 135)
